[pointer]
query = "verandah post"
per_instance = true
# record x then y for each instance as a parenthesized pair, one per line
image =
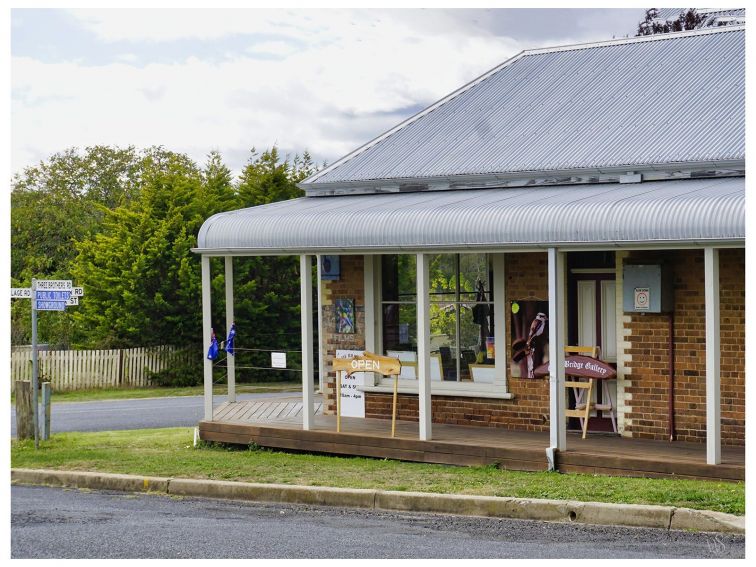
(308, 393)
(557, 425)
(230, 360)
(713, 405)
(499, 298)
(423, 347)
(206, 329)
(321, 355)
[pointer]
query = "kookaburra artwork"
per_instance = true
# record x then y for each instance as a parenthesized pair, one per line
(536, 330)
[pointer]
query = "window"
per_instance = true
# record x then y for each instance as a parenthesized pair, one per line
(461, 315)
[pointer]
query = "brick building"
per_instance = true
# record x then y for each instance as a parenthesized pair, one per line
(589, 195)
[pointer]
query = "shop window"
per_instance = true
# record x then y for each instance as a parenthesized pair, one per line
(461, 315)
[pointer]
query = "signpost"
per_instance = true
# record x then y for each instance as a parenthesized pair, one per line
(45, 295)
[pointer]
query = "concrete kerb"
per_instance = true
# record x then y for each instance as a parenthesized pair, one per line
(634, 515)
(93, 480)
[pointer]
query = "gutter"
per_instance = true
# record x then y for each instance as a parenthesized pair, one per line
(489, 247)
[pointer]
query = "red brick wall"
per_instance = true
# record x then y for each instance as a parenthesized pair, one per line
(351, 285)
(649, 335)
(733, 341)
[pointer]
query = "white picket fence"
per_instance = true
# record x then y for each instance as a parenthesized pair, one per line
(90, 369)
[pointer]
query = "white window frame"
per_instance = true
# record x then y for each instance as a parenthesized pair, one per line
(498, 389)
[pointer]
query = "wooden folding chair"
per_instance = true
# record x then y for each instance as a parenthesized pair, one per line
(583, 403)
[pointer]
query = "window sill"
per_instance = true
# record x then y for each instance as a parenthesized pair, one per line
(456, 389)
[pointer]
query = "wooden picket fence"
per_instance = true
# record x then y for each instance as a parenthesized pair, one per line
(91, 369)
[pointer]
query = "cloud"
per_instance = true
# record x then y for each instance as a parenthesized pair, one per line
(326, 81)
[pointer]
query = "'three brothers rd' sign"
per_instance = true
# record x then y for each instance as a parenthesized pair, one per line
(369, 362)
(581, 367)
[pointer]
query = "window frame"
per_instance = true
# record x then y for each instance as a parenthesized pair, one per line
(498, 389)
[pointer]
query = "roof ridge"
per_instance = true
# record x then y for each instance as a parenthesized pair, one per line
(634, 39)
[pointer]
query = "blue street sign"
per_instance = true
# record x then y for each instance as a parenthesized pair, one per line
(53, 295)
(50, 305)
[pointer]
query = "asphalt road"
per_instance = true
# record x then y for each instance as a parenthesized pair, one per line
(183, 411)
(58, 523)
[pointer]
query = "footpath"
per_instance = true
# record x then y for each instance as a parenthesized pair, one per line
(632, 515)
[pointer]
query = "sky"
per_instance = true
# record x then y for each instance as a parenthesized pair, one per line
(197, 80)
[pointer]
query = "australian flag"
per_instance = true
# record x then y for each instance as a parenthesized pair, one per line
(212, 352)
(230, 339)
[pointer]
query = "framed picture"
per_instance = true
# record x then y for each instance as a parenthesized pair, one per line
(330, 268)
(345, 323)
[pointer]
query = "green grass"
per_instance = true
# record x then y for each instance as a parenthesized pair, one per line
(158, 392)
(169, 452)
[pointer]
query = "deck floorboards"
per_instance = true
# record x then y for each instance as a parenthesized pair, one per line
(279, 425)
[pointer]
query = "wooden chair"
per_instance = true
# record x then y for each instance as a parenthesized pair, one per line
(583, 402)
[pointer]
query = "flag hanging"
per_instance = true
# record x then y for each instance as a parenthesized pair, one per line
(230, 339)
(212, 352)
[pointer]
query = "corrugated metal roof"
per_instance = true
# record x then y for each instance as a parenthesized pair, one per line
(633, 103)
(683, 211)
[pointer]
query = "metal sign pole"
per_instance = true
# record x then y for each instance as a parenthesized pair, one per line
(35, 364)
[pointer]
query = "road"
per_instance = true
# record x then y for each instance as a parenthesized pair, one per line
(183, 411)
(57, 523)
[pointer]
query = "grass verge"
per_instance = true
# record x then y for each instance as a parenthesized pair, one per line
(169, 452)
(158, 392)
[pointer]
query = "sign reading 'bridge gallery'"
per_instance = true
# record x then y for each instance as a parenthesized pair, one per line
(581, 367)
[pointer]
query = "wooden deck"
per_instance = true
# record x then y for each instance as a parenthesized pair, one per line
(278, 424)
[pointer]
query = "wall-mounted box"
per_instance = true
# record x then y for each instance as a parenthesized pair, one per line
(647, 288)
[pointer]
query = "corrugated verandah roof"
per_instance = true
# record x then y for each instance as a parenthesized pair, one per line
(635, 103)
(687, 212)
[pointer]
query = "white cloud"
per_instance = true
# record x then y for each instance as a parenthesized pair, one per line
(276, 48)
(354, 73)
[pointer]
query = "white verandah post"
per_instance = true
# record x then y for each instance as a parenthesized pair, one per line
(557, 425)
(500, 312)
(206, 329)
(713, 406)
(308, 387)
(230, 360)
(321, 354)
(423, 346)
(369, 287)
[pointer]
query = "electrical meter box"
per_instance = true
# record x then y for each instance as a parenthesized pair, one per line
(647, 288)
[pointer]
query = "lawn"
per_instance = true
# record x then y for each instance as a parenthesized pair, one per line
(158, 392)
(169, 452)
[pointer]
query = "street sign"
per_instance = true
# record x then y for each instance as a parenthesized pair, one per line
(20, 293)
(54, 285)
(78, 292)
(72, 301)
(53, 295)
(43, 305)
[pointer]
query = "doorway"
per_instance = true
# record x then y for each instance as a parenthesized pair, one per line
(591, 321)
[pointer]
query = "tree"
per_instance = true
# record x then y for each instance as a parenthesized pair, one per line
(651, 24)
(55, 204)
(141, 279)
(125, 234)
(267, 288)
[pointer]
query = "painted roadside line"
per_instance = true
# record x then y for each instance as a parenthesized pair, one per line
(632, 515)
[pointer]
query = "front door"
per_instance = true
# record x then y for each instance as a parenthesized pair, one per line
(592, 322)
